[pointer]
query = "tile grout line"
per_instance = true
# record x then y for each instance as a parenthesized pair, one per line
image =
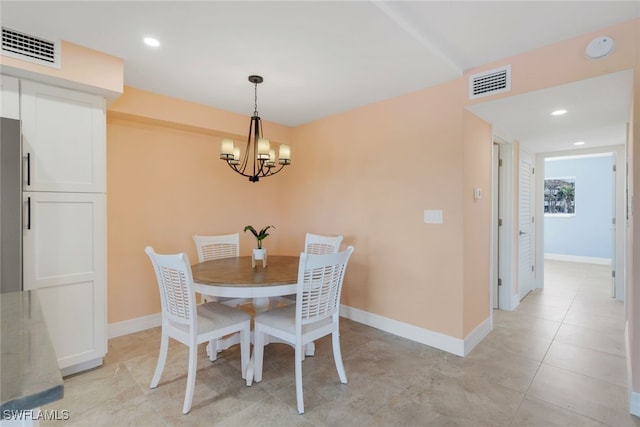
(526, 392)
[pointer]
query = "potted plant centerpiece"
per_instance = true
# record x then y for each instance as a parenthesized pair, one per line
(259, 253)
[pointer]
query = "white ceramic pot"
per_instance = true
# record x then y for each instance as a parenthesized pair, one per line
(259, 254)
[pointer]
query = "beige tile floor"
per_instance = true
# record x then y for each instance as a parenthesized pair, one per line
(557, 360)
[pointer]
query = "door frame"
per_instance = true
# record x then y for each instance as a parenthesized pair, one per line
(619, 214)
(502, 237)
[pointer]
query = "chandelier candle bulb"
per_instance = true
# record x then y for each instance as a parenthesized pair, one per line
(272, 158)
(236, 156)
(226, 149)
(263, 149)
(284, 154)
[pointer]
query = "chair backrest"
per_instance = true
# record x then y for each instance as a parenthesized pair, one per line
(321, 245)
(320, 280)
(216, 247)
(173, 273)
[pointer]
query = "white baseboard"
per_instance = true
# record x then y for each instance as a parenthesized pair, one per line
(457, 346)
(81, 367)
(634, 404)
(576, 258)
(477, 335)
(437, 340)
(634, 397)
(138, 324)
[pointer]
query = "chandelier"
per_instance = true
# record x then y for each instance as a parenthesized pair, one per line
(259, 159)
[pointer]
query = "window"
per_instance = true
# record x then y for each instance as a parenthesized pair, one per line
(559, 196)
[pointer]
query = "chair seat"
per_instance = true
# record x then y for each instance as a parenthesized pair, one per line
(214, 315)
(284, 319)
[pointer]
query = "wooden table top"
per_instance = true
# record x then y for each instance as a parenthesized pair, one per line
(237, 272)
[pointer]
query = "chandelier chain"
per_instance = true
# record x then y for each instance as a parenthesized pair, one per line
(255, 99)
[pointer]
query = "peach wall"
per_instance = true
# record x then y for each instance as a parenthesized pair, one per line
(565, 62)
(478, 144)
(165, 182)
(143, 106)
(369, 174)
(82, 69)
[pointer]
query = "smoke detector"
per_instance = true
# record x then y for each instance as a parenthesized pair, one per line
(600, 47)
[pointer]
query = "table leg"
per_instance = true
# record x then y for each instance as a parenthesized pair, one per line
(261, 304)
(310, 349)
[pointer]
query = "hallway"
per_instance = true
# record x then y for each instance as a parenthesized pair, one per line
(576, 330)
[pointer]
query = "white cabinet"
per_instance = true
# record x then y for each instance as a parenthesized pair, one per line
(64, 218)
(10, 100)
(65, 260)
(64, 139)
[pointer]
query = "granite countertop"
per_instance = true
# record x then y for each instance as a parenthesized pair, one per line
(29, 373)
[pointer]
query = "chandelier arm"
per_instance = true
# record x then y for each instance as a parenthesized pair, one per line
(237, 170)
(256, 136)
(245, 158)
(272, 172)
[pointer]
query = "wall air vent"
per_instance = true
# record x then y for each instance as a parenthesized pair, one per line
(30, 48)
(490, 82)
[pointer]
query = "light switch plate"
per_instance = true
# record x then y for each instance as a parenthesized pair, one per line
(433, 216)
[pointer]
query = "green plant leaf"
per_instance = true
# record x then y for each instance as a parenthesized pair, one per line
(260, 235)
(264, 230)
(253, 230)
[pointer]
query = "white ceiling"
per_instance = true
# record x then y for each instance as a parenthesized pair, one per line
(317, 57)
(597, 114)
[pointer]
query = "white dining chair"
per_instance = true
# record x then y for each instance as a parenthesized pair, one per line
(315, 314)
(320, 245)
(189, 323)
(316, 244)
(217, 247)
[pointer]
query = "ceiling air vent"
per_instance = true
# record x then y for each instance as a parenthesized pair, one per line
(490, 82)
(30, 48)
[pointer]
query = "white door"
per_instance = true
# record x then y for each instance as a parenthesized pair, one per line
(63, 135)
(64, 241)
(526, 235)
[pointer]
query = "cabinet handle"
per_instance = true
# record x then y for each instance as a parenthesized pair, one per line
(28, 213)
(28, 168)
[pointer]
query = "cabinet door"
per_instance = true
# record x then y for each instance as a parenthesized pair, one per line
(65, 260)
(64, 139)
(10, 99)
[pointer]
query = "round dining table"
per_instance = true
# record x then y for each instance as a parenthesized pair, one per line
(236, 278)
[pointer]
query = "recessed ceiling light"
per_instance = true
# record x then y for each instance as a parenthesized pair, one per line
(559, 112)
(151, 41)
(579, 143)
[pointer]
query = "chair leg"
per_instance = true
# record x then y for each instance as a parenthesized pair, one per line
(162, 359)
(191, 377)
(212, 350)
(337, 356)
(299, 398)
(245, 348)
(258, 352)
